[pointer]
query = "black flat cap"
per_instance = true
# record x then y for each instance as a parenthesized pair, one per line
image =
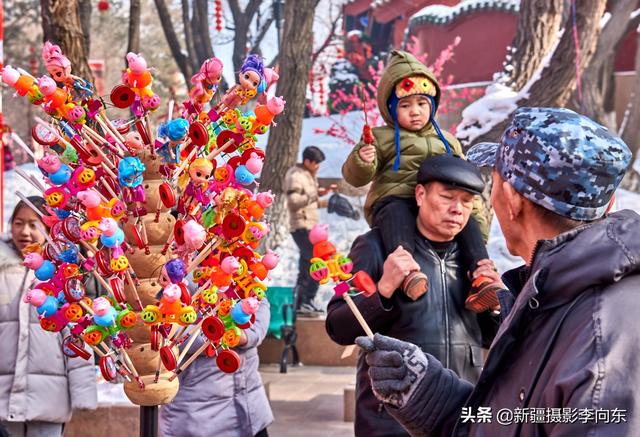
(451, 170)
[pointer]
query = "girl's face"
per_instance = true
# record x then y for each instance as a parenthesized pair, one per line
(24, 230)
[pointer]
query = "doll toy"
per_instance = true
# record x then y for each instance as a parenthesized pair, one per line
(251, 81)
(205, 84)
(130, 174)
(198, 187)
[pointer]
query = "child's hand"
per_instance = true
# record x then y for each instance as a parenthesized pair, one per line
(367, 153)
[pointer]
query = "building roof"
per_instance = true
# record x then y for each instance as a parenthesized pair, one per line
(440, 14)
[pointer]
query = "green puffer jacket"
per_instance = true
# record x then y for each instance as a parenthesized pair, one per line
(415, 147)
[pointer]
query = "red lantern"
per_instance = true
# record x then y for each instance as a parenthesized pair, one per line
(218, 15)
(103, 5)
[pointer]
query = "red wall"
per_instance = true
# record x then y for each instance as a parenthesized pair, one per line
(484, 39)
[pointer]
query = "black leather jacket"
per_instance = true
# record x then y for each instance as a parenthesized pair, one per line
(437, 322)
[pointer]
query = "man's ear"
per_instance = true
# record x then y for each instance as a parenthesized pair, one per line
(420, 190)
(513, 200)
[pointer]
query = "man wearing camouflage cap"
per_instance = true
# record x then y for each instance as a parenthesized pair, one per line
(564, 361)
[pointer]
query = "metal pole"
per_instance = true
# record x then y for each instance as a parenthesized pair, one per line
(148, 420)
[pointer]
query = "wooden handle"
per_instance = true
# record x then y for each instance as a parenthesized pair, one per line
(356, 312)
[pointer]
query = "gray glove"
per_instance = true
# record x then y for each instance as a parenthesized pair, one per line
(396, 368)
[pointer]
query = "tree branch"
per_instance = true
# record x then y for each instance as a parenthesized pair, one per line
(262, 33)
(134, 27)
(327, 41)
(172, 40)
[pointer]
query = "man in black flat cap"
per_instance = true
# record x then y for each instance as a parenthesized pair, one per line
(437, 321)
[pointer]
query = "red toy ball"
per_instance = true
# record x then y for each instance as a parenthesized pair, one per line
(168, 358)
(108, 368)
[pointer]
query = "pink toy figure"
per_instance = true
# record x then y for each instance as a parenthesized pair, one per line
(101, 306)
(134, 143)
(319, 233)
(230, 265)
(95, 209)
(35, 297)
(266, 113)
(264, 199)
(171, 293)
(57, 64)
(75, 114)
(108, 226)
(135, 75)
(250, 305)
(194, 235)
(254, 163)
(205, 82)
(270, 259)
(10, 75)
(50, 163)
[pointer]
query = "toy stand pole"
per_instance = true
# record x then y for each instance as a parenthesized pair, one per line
(148, 421)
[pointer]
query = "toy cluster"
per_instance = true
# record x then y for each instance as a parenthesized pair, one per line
(169, 279)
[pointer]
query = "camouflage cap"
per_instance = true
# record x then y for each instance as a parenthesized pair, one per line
(558, 159)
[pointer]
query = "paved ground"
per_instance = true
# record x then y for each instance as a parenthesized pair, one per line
(308, 401)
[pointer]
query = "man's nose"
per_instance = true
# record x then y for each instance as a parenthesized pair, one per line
(456, 207)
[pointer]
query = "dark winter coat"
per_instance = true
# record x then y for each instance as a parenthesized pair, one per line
(570, 340)
(437, 322)
(211, 402)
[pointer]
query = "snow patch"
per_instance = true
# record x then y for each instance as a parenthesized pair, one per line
(498, 103)
(447, 13)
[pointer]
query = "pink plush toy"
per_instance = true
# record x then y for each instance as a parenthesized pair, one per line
(264, 199)
(89, 198)
(254, 163)
(35, 297)
(108, 226)
(205, 81)
(194, 235)
(10, 75)
(171, 293)
(270, 259)
(250, 305)
(230, 265)
(50, 163)
(101, 306)
(319, 233)
(33, 260)
(57, 64)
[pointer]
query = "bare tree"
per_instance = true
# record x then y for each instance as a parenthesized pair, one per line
(197, 39)
(538, 25)
(61, 24)
(84, 9)
(631, 126)
(242, 20)
(558, 80)
(133, 44)
(598, 80)
(284, 139)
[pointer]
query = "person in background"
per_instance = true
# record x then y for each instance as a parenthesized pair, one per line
(211, 402)
(301, 188)
(39, 385)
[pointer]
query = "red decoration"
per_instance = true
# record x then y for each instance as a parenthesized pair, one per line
(103, 5)
(218, 15)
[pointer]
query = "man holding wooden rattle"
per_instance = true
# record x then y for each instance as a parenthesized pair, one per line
(437, 321)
